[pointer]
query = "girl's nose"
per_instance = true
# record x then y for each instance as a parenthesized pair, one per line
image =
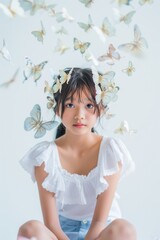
(79, 115)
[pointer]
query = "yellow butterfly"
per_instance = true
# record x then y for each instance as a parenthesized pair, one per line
(87, 3)
(12, 9)
(82, 46)
(110, 56)
(124, 128)
(136, 46)
(12, 80)
(130, 69)
(39, 35)
(4, 52)
(64, 77)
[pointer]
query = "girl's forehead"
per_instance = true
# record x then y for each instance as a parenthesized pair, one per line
(80, 96)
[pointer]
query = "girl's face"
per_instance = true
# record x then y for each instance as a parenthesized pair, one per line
(79, 115)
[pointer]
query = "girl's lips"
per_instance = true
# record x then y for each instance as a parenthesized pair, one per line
(79, 125)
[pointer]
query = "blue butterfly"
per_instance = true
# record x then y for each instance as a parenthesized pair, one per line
(35, 122)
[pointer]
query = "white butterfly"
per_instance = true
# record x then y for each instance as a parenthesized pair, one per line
(127, 18)
(102, 79)
(109, 115)
(63, 15)
(51, 102)
(12, 80)
(87, 3)
(35, 122)
(34, 5)
(110, 56)
(82, 46)
(61, 47)
(124, 128)
(48, 88)
(137, 45)
(142, 2)
(4, 52)
(130, 69)
(12, 9)
(61, 30)
(33, 70)
(107, 95)
(86, 26)
(107, 28)
(39, 34)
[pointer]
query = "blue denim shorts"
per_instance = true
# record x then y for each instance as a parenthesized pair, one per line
(74, 229)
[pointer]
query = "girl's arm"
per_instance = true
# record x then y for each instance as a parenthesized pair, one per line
(48, 205)
(103, 205)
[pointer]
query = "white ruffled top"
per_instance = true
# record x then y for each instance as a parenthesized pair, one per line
(76, 194)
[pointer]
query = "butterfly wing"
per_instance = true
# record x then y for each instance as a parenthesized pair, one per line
(5, 53)
(76, 43)
(128, 17)
(29, 124)
(6, 10)
(41, 131)
(84, 26)
(50, 125)
(38, 35)
(107, 28)
(84, 47)
(36, 113)
(38, 70)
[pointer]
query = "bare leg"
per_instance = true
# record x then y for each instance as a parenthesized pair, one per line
(36, 229)
(119, 229)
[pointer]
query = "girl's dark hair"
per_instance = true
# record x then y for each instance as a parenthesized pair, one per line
(80, 80)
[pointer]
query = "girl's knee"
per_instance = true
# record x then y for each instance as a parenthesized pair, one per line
(30, 228)
(119, 229)
(123, 229)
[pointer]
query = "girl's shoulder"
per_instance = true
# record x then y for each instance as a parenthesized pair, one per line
(41, 152)
(113, 151)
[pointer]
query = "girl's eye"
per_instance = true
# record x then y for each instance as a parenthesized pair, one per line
(90, 106)
(69, 105)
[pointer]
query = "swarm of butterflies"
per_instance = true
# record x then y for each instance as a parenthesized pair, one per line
(106, 89)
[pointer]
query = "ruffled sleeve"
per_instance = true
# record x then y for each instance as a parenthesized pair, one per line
(114, 152)
(41, 152)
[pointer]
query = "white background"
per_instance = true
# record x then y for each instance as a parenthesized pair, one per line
(138, 103)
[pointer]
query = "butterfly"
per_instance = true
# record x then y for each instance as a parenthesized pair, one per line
(48, 88)
(39, 34)
(109, 115)
(61, 30)
(61, 47)
(34, 5)
(124, 128)
(12, 9)
(110, 56)
(87, 3)
(86, 26)
(136, 46)
(33, 70)
(51, 102)
(142, 2)
(12, 80)
(123, 2)
(64, 77)
(63, 15)
(35, 122)
(130, 69)
(127, 18)
(107, 28)
(4, 52)
(82, 46)
(102, 79)
(107, 95)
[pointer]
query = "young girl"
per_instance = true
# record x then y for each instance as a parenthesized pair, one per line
(78, 173)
